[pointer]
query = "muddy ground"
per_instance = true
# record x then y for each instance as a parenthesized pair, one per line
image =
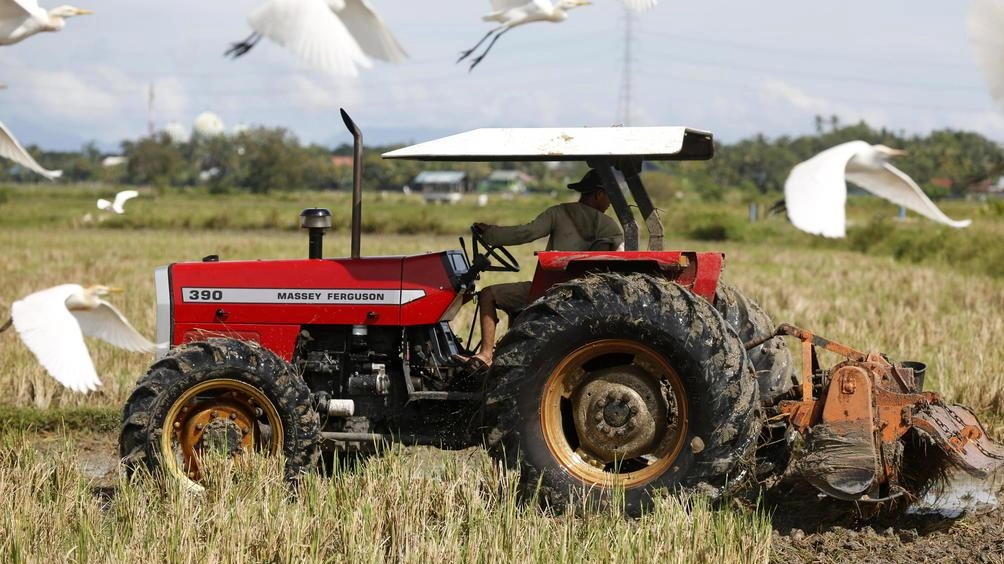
(807, 528)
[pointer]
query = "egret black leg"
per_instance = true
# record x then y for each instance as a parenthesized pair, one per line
(477, 59)
(467, 53)
(238, 49)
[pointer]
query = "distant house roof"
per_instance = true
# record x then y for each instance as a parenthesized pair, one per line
(440, 177)
(114, 160)
(341, 160)
(509, 176)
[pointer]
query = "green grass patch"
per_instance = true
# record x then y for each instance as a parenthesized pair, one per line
(98, 419)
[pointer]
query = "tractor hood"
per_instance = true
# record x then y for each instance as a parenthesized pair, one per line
(564, 144)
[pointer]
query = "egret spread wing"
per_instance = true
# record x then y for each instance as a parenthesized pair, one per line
(108, 324)
(11, 9)
(369, 31)
(815, 192)
(14, 13)
(640, 5)
(504, 5)
(11, 149)
(312, 31)
(122, 197)
(985, 22)
(894, 185)
(52, 334)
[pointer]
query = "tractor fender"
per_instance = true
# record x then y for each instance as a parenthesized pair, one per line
(697, 271)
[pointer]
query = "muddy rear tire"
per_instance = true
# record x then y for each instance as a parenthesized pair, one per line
(227, 395)
(772, 360)
(621, 381)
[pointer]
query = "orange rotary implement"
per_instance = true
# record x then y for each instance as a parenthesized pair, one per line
(855, 421)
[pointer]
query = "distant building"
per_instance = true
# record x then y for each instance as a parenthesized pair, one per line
(446, 186)
(341, 160)
(114, 160)
(987, 187)
(506, 181)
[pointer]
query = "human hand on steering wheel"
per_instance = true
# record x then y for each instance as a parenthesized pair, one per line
(507, 262)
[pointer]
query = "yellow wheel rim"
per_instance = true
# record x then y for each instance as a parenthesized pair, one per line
(219, 415)
(614, 413)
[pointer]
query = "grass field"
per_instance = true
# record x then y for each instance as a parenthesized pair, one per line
(416, 504)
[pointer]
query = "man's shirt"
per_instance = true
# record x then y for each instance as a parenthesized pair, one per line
(572, 227)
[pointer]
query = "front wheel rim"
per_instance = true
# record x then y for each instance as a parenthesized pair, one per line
(614, 413)
(223, 415)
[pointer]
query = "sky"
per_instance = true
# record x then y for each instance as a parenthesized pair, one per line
(735, 68)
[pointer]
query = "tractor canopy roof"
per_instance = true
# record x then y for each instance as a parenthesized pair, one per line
(564, 144)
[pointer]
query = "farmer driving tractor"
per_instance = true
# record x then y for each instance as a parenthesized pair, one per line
(573, 226)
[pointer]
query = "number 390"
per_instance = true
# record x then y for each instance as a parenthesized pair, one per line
(205, 295)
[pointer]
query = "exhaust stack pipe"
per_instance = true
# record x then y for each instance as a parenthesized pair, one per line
(316, 221)
(357, 179)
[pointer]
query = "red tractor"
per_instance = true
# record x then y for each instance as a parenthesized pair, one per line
(628, 369)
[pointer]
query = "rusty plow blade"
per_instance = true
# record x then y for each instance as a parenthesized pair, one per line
(972, 476)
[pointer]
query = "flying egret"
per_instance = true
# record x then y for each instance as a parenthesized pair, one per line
(121, 198)
(207, 124)
(11, 149)
(816, 190)
(514, 13)
(985, 20)
(52, 323)
(20, 19)
(337, 36)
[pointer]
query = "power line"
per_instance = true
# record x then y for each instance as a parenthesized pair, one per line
(677, 78)
(817, 75)
(846, 56)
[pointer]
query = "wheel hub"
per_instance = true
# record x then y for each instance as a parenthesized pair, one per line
(220, 416)
(619, 411)
(614, 411)
(618, 414)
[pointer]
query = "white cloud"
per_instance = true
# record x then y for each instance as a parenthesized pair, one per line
(91, 98)
(323, 94)
(785, 97)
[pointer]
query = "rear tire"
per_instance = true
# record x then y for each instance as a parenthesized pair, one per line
(227, 395)
(615, 381)
(772, 360)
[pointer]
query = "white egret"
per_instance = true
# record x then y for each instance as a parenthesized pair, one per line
(338, 36)
(985, 21)
(121, 198)
(816, 190)
(514, 13)
(11, 149)
(20, 19)
(52, 323)
(207, 124)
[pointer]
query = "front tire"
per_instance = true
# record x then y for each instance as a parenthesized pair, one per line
(621, 382)
(224, 395)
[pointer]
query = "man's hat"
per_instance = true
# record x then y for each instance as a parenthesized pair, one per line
(591, 182)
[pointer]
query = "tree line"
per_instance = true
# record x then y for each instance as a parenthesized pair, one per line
(946, 163)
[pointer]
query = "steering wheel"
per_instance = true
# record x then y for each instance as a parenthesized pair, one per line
(507, 262)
